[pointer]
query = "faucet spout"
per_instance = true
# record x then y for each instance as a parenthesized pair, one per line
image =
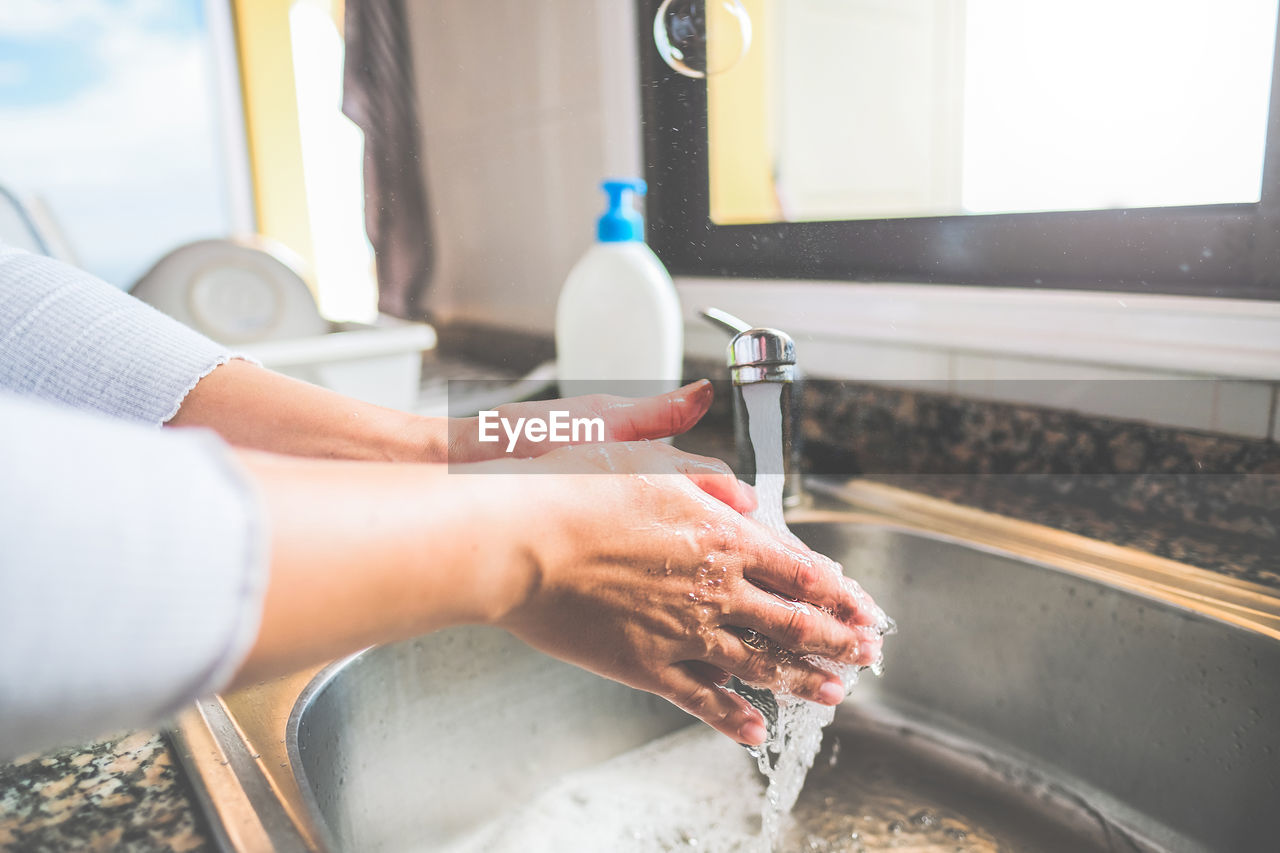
(762, 355)
(756, 354)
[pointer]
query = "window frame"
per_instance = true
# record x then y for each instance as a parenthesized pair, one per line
(1222, 250)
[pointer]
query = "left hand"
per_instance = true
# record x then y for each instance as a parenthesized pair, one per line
(625, 419)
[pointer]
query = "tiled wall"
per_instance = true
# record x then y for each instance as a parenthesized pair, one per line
(1114, 356)
(525, 107)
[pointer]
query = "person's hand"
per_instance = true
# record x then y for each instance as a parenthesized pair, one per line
(254, 408)
(625, 419)
(644, 570)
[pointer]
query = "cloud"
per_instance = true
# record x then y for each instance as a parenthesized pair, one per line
(43, 18)
(13, 73)
(130, 163)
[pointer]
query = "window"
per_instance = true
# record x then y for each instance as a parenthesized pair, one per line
(121, 127)
(126, 132)
(924, 192)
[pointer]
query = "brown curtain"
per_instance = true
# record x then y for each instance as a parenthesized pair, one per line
(378, 95)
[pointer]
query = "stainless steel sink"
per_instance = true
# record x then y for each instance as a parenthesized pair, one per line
(1054, 692)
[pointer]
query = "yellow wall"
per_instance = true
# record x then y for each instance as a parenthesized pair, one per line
(271, 121)
(739, 129)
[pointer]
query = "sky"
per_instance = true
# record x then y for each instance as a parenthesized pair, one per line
(109, 115)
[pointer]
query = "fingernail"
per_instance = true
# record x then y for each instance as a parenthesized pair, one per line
(698, 386)
(753, 733)
(831, 693)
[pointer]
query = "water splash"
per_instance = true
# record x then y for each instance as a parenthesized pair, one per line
(795, 736)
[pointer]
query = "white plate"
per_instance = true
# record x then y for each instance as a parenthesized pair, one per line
(234, 291)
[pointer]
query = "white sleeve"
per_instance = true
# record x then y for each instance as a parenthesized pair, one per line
(71, 338)
(132, 569)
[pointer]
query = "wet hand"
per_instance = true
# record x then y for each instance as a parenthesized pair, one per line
(645, 570)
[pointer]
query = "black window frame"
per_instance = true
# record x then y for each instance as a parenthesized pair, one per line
(1223, 250)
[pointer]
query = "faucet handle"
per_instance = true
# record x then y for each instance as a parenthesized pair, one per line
(731, 324)
(756, 354)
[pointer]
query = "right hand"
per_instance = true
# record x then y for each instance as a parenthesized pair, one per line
(642, 568)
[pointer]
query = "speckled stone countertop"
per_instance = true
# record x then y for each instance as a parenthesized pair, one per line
(120, 794)
(1209, 500)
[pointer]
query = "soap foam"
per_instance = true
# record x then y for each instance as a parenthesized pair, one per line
(691, 790)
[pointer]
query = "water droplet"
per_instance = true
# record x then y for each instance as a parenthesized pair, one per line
(700, 38)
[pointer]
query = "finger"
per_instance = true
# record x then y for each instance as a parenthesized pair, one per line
(725, 712)
(795, 626)
(781, 673)
(874, 616)
(716, 479)
(632, 419)
(872, 646)
(711, 674)
(792, 570)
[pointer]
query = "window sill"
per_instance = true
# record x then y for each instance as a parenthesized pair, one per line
(942, 335)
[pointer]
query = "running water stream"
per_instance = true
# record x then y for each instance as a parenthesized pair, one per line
(796, 736)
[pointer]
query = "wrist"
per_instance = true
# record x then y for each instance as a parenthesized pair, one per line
(506, 517)
(414, 438)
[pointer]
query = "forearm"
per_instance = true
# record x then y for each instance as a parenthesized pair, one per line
(68, 337)
(254, 408)
(368, 553)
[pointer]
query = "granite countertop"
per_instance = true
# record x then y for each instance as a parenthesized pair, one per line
(1228, 553)
(123, 793)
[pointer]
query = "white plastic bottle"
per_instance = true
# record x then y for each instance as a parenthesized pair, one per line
(619, 317)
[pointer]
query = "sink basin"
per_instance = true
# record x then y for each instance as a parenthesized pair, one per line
(1044, 693)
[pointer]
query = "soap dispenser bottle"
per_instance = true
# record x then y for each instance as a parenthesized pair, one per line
(618, 317)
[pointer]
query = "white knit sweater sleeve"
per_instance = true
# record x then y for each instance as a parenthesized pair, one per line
(69, 337)
(132, 559)
(132, 569)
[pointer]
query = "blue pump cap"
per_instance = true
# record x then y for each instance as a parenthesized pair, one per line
(621, 222)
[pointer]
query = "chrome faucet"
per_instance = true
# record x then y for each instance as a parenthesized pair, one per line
(756, 355)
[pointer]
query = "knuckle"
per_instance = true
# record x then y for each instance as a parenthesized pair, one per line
(850, 646)
(811, 681)
(598, 404)
(760, 671)
(696, 699)
(720, 649)
(797, 628)
(715, 538)
(806, 576)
